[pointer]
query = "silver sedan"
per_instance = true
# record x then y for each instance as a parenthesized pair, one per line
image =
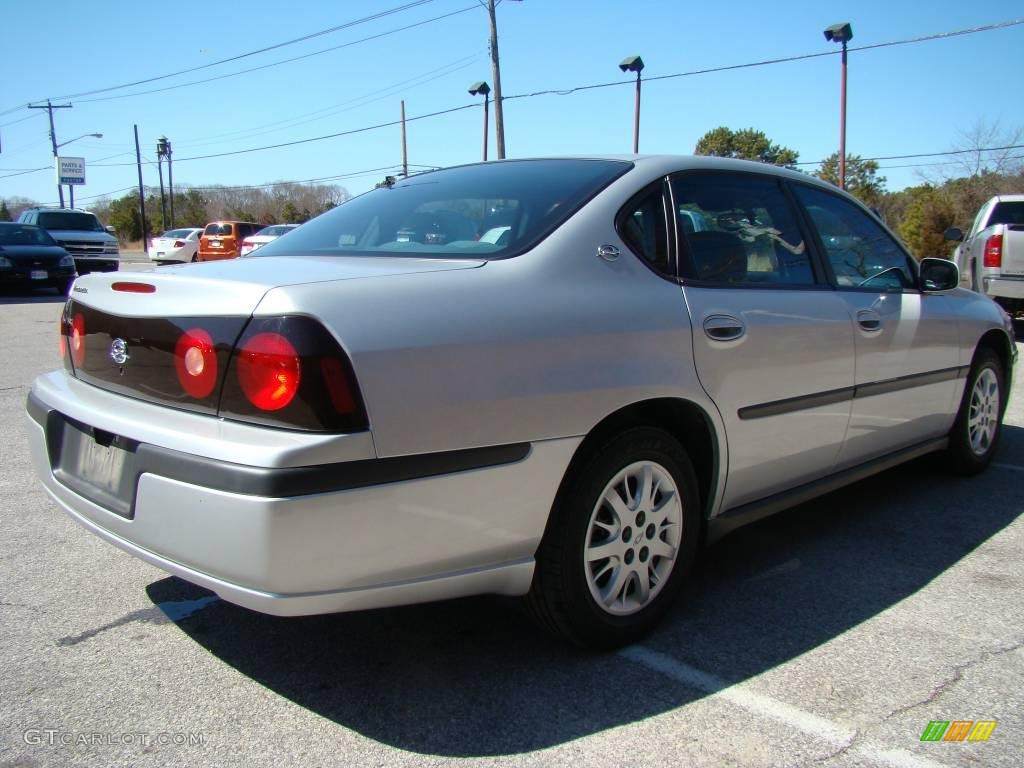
(549, 378)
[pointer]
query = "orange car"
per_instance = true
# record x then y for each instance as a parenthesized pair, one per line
(223, 239)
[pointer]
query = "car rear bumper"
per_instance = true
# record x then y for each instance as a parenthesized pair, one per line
(383, 536)
(22, 278)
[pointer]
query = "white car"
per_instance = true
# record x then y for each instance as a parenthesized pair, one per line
(264, 236)
(175, 245)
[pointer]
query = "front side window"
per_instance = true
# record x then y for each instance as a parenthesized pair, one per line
(489, 210)
(642, 227)
(861, 252)
(739, 229)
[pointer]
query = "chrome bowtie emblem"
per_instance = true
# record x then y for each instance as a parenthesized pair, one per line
(119, 351)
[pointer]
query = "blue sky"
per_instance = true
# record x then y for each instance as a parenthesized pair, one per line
(902, 100)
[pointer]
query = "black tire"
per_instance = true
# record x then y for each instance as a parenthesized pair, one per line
(968, 455)
(561, 597)
(195, 257)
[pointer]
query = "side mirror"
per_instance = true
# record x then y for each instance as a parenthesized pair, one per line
(954, 234)
(110, 230)
(938, 275)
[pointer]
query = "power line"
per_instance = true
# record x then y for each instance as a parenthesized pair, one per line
(926, 154)
(278, 63)
(310, 36)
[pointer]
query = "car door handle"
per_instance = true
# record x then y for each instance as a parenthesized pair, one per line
(724, 328)
(869, 320)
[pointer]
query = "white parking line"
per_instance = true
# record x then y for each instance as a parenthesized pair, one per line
(1009, 466)
(822, 728)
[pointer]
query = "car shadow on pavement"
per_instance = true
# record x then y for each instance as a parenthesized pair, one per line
(474, 677)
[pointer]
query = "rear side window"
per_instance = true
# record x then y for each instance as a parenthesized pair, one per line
(739, 229)
(860, 251)
(642, 227)
(217, 230)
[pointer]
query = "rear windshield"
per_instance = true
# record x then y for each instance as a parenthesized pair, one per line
(66, 220)
(490, 210)
(24, 234)
(1007, 213)
(178, 233)
(218, 229)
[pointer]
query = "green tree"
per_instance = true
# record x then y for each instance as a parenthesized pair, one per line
(290, 214)
(927, 215)
(5, 215)
(862, 179)
(745, 144)
(124, 217)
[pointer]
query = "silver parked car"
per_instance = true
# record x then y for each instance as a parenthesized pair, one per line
(549, 378)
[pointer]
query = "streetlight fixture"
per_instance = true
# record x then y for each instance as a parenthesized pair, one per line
(482, 89)
(71, 187)
(163, 149)
(841, 33)
(634, 64)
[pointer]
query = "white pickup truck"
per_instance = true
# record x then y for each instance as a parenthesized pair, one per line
(991, 256)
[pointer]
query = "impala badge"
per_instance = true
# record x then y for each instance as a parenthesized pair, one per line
(119, 351)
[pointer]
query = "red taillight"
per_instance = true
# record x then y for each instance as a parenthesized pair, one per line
(269, 371)
(179, 243)
(337, 385)
(134, 287)
(195, 360)
(78, 340)
(247, 241)
(62, 342)
(994, 251)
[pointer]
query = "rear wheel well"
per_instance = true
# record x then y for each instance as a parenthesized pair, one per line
(682, 419)
(999, 343)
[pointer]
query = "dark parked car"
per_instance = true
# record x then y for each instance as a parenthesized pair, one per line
(30, 258)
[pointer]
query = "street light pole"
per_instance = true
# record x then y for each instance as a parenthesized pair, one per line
(841, 33)
(477, 89)
(170, 181)
(634, 64)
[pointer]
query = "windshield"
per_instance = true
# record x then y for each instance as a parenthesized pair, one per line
(221, 230)
(24, 234)
(77, 220)
(490, 210)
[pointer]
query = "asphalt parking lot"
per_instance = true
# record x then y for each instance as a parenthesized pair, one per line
(831, 634)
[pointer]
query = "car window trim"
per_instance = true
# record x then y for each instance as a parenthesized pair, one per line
(820, 283)
(819, 244)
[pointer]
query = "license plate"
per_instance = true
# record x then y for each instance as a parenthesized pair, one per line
(39, 274)
(99, 465)
(159, 253)
(215, 243)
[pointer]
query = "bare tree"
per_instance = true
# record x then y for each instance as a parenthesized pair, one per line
(984, 148)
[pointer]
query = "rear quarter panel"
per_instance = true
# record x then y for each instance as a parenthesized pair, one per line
(539, 346)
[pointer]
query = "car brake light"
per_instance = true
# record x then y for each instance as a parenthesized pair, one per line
(133, 287)
(195, 361)
(78, 340)
(247, 241)
(994, 251)
(179, 243)
(269, 371)
(62, 342)
(290, 372)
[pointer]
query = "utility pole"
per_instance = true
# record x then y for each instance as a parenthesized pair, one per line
(170, 181)
(405, 156)
(142, 191)
(499, 115)
(53, 140)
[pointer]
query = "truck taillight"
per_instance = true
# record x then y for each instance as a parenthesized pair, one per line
(994, 251)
